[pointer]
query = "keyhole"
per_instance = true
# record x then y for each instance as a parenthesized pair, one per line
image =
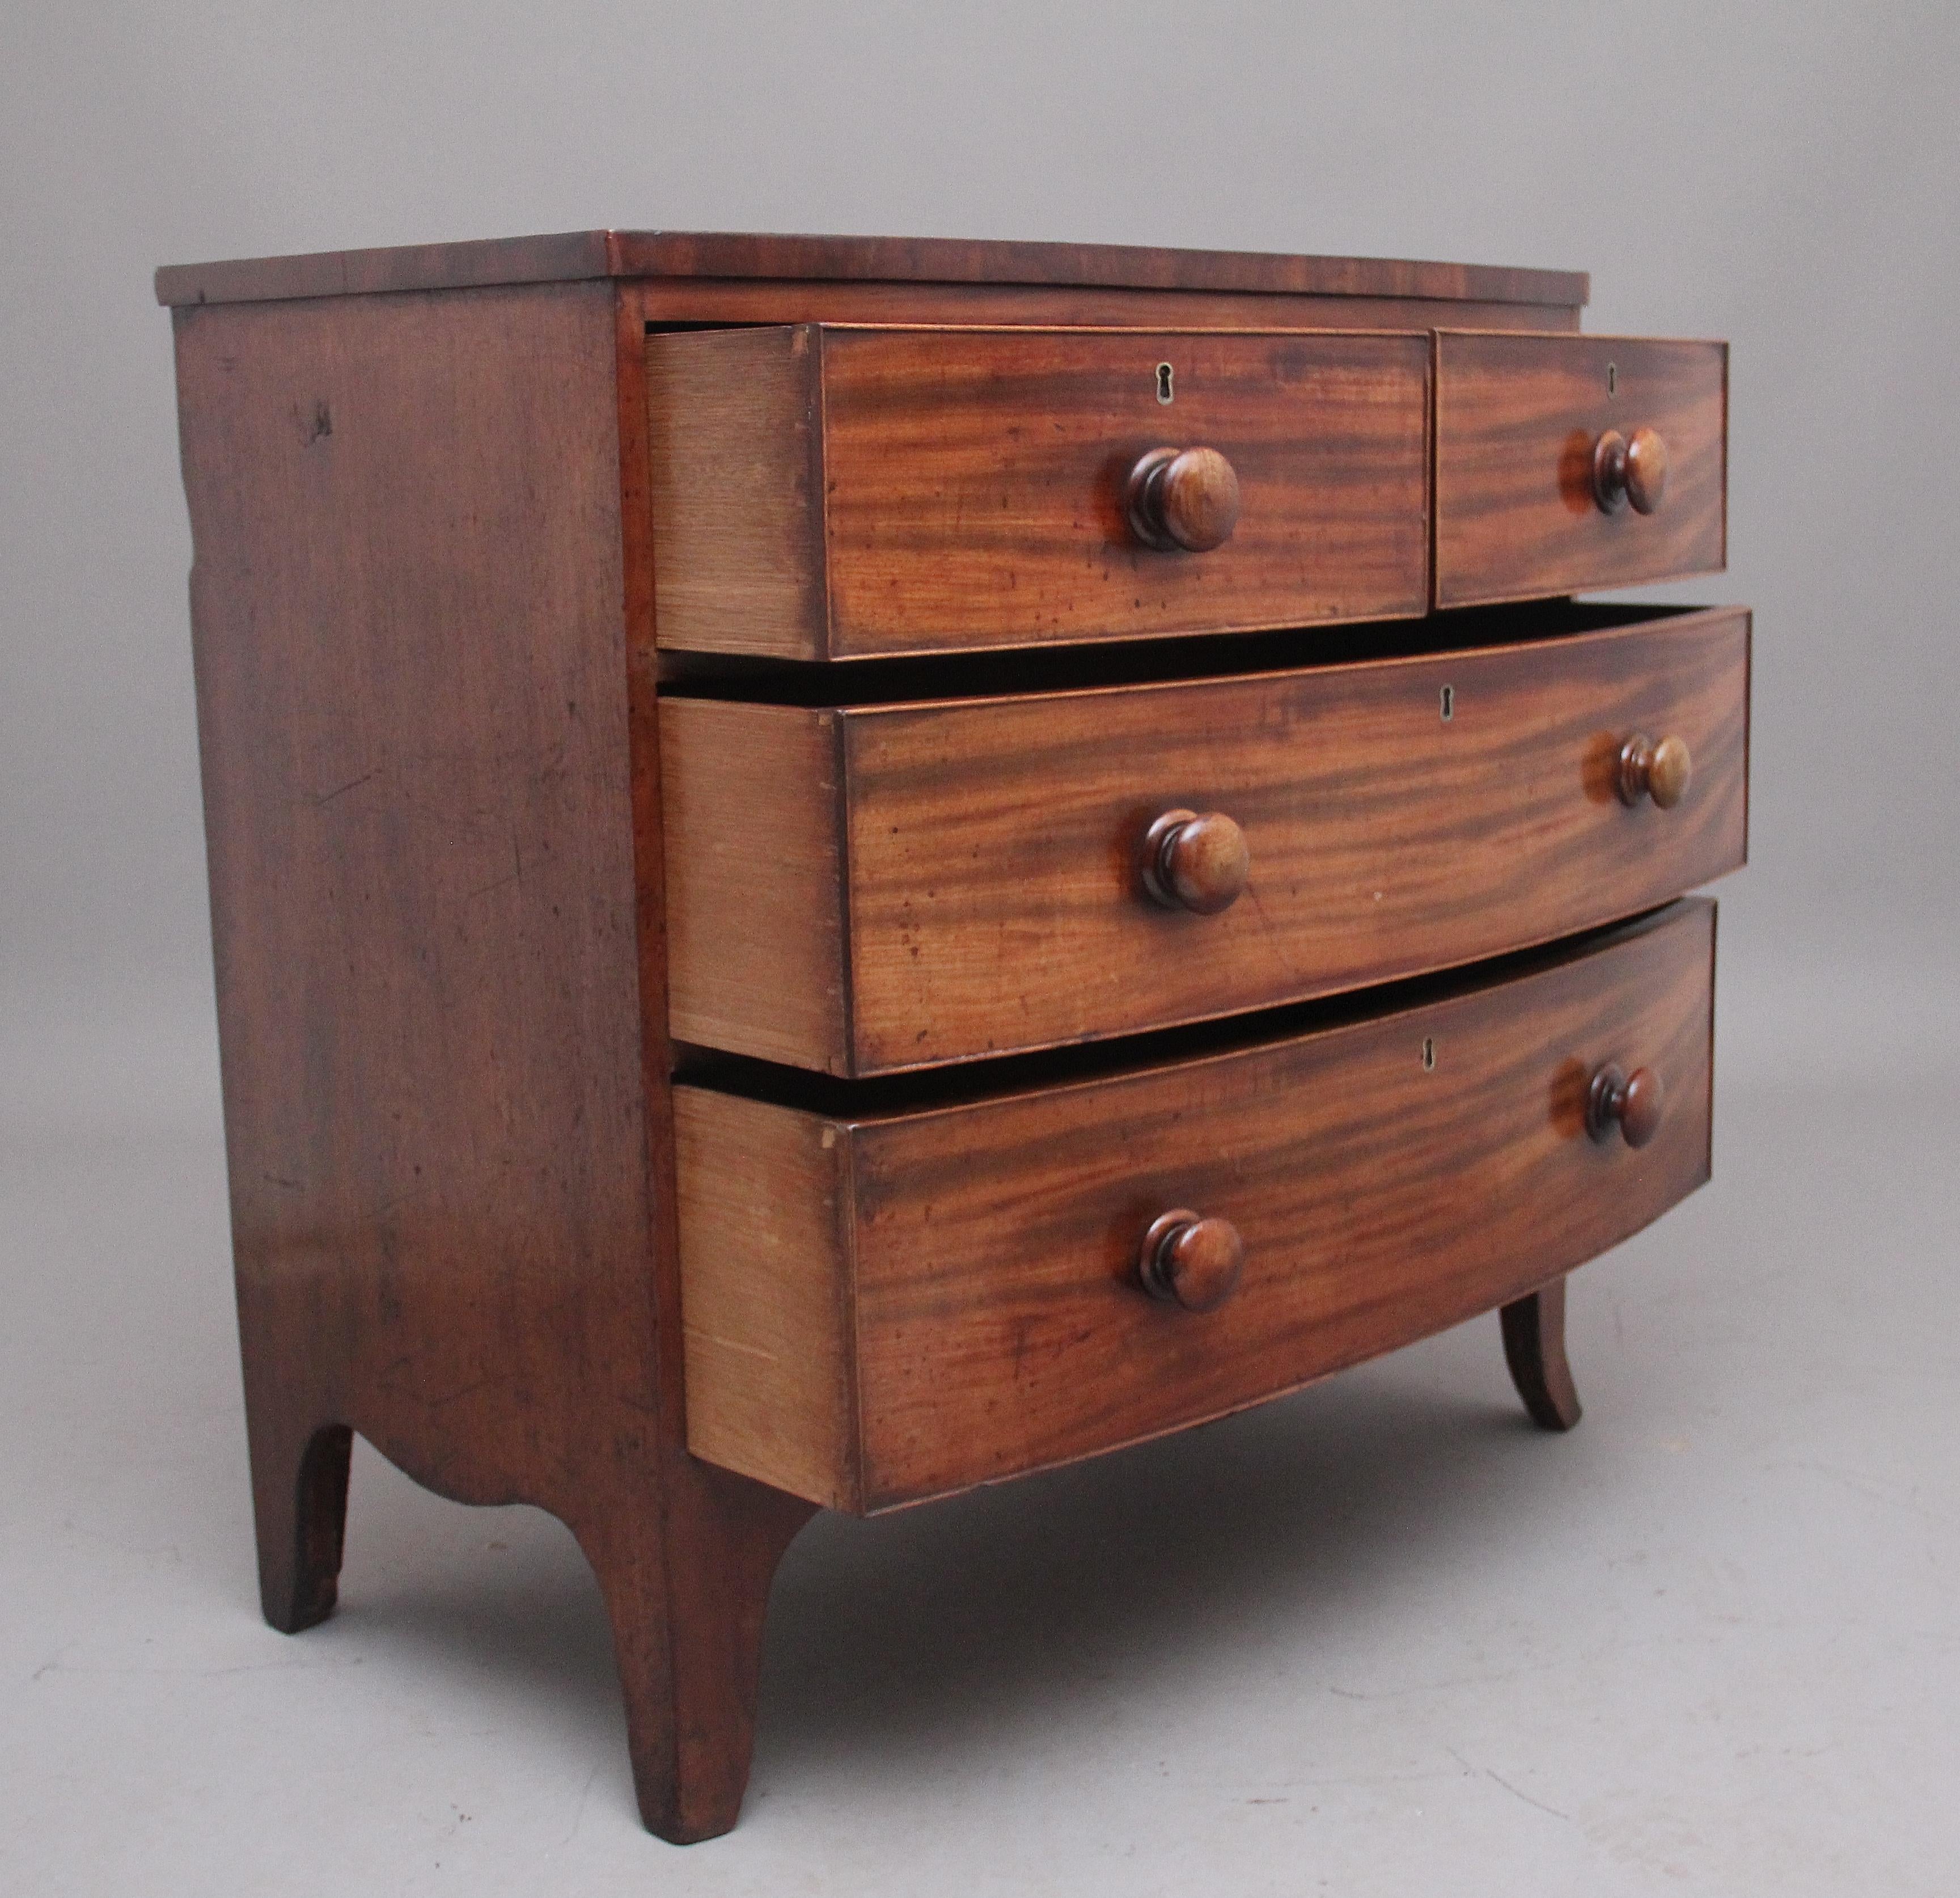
(1612, 378)
(1163, 383)
(1449, 703)
(1429, 1054)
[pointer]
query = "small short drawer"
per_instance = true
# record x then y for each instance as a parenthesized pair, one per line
(822, 492)
(1568, 462)
(884, 1306)
(883, 887)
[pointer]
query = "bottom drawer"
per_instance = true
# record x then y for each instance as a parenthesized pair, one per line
(886, 1306)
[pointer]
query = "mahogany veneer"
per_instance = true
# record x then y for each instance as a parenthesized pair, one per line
(822, 493)
(952, 1290)
(652, 688)
(1523, 506)
(871, 887)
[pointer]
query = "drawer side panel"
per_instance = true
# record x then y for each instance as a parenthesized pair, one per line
(754, 917)
(735, 440)
(765, 1297)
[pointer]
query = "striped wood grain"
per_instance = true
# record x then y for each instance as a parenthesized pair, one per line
(970, 483)
(981, 1270)
(984, 888)
(1517, 420)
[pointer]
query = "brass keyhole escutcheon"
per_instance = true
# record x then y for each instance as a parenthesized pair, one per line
(1165, 393)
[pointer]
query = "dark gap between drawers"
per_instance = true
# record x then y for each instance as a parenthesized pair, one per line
(959, 1082)
(996, 673)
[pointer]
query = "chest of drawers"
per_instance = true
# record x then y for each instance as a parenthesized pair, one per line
(843, 868)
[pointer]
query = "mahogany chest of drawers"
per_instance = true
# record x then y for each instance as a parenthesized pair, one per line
(842, 868)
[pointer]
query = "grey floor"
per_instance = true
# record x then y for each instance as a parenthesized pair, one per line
(1378, 1637)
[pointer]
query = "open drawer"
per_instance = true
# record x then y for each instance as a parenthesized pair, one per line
(883, 1303)
(878, 886)
(1566, 463)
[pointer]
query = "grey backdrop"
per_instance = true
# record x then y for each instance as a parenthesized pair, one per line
(1783, 177)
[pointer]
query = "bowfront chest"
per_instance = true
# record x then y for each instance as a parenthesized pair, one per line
(842, 868)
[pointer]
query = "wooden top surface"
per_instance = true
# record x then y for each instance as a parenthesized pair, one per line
(577, 255)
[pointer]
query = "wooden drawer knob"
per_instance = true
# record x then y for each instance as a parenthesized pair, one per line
(1631, 1102)
(1185, 497)
(1632, 471)
(1660, 771)
(1190, 1262)
(1197, 863)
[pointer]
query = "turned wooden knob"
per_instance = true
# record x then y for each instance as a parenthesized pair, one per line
(1196, 863)
(1631, 1102)
(1660, 771)
(1632, 471)
(1190, 1262)
(1185, 497)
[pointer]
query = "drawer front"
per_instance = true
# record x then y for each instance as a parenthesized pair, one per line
(863, 891)
(821, 492)
(882, 1310)
(1526, 504)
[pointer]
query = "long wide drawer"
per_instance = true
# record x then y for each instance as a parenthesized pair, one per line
(825, 492)
(867, 889)
(884, 1306)
(1568, 462)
